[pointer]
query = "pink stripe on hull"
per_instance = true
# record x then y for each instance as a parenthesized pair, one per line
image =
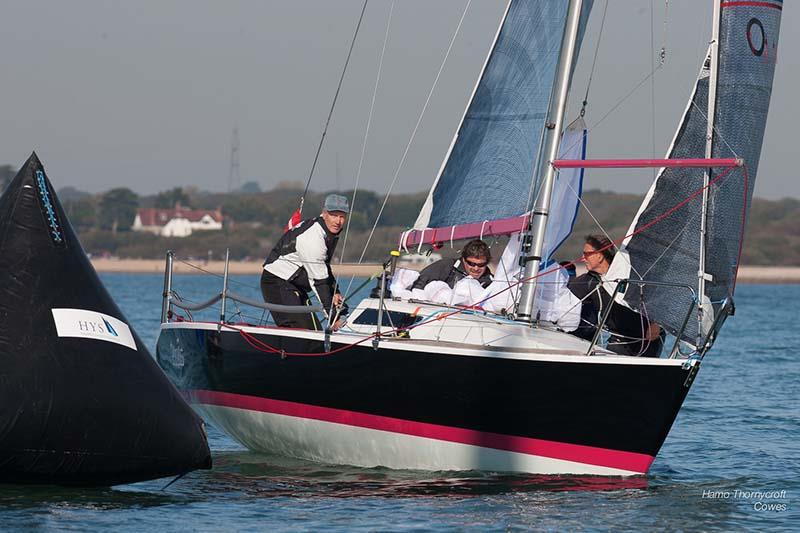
(630, 461)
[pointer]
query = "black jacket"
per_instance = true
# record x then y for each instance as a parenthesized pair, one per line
(450, 271)
(624, 323)
(306, 262)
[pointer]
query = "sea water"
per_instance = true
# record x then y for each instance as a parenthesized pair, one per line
(729, 463)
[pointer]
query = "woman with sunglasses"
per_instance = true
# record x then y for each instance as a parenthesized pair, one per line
(473, 262)
(631, 332)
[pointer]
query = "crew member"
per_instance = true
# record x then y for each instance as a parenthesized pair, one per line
(631, 332)
(301, 263)
(473, 262)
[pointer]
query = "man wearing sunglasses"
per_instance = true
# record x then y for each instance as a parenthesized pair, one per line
(473, 262)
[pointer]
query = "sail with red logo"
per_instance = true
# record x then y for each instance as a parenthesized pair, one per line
(666, 245)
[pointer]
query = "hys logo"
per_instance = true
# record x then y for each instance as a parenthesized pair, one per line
(110, 328)
(82, 323)
(101, 326)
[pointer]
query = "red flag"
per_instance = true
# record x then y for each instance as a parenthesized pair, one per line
(294, 221)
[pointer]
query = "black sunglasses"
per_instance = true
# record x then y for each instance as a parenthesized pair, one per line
(475, 265)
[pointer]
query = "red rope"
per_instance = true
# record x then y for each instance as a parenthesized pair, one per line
(264, 347)
(741, 235)
(685, 201)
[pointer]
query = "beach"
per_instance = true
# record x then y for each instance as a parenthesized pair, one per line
(747, 274)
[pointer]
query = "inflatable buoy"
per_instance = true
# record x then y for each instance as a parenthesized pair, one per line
(82, 401)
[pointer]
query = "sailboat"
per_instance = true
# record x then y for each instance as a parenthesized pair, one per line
(416, 385)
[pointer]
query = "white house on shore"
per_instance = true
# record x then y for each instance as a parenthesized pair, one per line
(176, 222)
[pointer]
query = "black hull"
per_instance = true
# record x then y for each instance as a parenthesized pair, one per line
(626, 408)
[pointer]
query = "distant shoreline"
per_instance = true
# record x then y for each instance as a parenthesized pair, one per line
(747, 274)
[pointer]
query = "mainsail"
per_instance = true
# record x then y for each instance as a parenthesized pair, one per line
(666, 245)
(488, 172)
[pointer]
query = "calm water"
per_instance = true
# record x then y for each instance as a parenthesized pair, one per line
(737, 433)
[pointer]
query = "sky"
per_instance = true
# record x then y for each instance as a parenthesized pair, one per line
(147, 94)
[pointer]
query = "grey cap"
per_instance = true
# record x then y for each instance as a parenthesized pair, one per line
(336, 202)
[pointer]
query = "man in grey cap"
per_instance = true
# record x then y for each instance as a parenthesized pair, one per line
(301, 263)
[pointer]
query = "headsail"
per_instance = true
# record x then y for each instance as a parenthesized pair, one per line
(667, 248)
(567, 189)
(488, 171)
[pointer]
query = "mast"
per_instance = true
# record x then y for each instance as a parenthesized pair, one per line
(702, 277)
(534, 238)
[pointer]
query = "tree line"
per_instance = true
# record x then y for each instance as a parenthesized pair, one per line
(254, 220)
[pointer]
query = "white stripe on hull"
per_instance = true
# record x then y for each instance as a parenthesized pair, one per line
(329, 442)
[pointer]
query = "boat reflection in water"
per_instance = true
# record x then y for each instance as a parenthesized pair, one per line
(276, 477)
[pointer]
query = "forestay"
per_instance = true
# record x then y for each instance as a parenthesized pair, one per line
(667, 248)
(488, 172)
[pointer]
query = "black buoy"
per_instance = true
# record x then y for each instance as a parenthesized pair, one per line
(82, 401)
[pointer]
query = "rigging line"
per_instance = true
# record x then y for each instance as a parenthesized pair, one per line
(652, 84)
(745, 189)
(674, 208)
(414, 132)
(714, 128)
(621, 101)
(589, 211)
(594, 61)
(301, 262)
(576, 304)
(580, 301)
(645, 319)
(333, 104)
(366, 132)
(204, 271)
(669, 246)
(624, 98)
(616, 105)
(682, 203)
(663, 55)
(662, 59)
